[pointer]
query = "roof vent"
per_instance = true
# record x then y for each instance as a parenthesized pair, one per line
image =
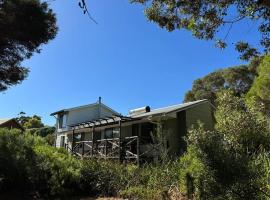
(99, 100)
(138, 111)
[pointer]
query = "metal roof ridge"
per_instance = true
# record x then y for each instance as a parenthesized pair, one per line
(191, 102)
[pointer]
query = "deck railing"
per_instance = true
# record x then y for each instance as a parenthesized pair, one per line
(114, 148)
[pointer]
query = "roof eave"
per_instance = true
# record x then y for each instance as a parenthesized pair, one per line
(176, 110)
(58, 112)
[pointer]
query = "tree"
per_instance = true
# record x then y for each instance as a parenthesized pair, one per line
(33, 122)
(260, 90)
(25, 26)
(231, 161)
(29, 122)
(238, 79)
(207, 18)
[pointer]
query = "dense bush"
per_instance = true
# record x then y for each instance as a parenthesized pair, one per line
(152, 181)
(105, 178)
(28, 164)
(59, 172)
(231, 162)
(47, 132)
(17, 159)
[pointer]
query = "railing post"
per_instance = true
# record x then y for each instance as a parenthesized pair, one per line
(105, 148)
(73, 140)
(120, 142)
(92, 138)
(138, 151)
(82, 148)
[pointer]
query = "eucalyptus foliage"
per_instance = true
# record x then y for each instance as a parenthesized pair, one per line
(260, 90)
(207, 18)
(232, 161)
(238, 79)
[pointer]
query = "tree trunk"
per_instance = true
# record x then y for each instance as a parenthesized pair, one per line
(265, 3)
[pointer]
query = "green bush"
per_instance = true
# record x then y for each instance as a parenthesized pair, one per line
(103, 178)
(230, 162)
(59, 171)
(17, 159)
(46, 132)
(152, 181)
(141, 192)
(28, 164)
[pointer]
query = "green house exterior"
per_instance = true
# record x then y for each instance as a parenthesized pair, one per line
(110, 135)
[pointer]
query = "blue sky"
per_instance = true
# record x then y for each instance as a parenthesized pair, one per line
(125, 59)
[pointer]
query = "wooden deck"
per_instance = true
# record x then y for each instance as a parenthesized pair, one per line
(124, 149)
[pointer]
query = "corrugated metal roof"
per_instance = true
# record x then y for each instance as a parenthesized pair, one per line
(2, 121)
(170, 109)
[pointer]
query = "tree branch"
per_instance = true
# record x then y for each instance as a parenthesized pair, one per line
(265, 3)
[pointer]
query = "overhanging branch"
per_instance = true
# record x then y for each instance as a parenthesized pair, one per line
(265, 3)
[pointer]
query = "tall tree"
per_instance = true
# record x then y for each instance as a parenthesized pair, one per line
(260, 90)
(207, 18)
(238, 79)
(29, 122)
(25, 26)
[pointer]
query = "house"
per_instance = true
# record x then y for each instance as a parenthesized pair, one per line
(96, 130)
(10, 124)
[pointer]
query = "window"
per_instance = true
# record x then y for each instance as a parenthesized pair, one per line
(116, 132)
(112, 133)
(79, 137)
(109, 133)
(62, 141)
(62, 121)
(146, 130)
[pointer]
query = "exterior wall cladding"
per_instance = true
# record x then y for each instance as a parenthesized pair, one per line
(175, 128)
(81, 115)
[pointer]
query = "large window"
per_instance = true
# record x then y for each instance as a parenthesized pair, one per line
(62, 121)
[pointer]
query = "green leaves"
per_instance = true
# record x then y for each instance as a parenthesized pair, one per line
(29, 164)
(25, 26)
(230, 162)
(237, 79)
(208, 19)
(260, 90)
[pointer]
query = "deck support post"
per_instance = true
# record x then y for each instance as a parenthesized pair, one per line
(120, 142)
(92, 138)
(105, 149)
(82, 149)
(138, 151)
(73, 140)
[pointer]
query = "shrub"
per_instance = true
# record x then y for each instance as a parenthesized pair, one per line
(17, 159)
(105, 178)
(28, 164)
(231, 161)
(194, 175)
(59, 172)
(141, 192)
(151, 181)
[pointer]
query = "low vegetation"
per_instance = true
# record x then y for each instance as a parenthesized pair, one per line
(30, 166)
(229, 162)
(232, 161)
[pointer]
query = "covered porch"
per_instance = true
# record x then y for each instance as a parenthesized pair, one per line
(118, 137)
